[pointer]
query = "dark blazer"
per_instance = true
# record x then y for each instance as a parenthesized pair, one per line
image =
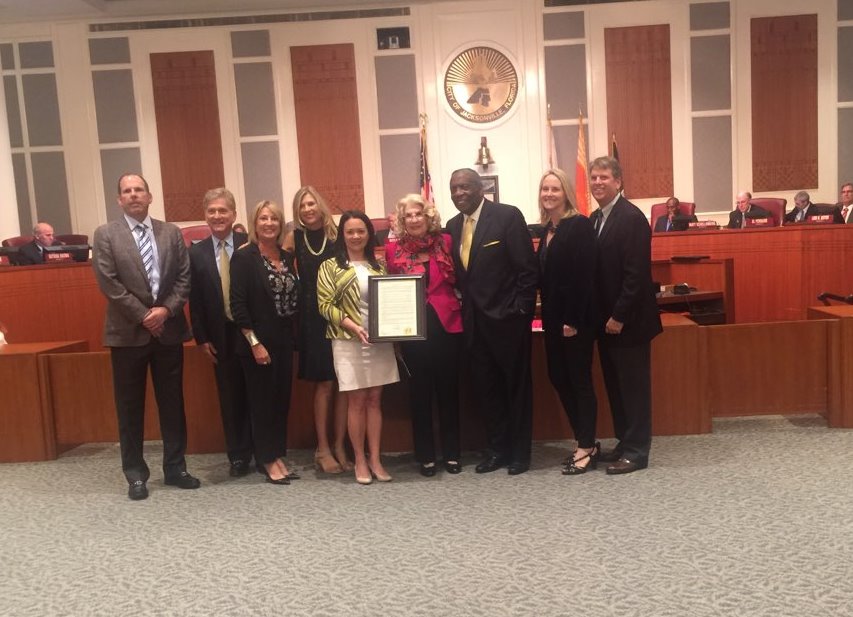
(252, 302)
(815, 210)
(660, 224)
(207, 309)
(736, 216)
(624, 276)
(29, 255)
(567, 282)
(502, 274)
(122, 279)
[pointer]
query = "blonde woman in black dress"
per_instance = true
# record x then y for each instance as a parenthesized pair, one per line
(313, 240)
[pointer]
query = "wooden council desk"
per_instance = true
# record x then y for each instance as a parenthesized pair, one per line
(778, 271)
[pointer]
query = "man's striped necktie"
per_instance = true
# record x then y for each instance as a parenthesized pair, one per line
(143, 241)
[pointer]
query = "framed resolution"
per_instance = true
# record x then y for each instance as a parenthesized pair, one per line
(396, 308)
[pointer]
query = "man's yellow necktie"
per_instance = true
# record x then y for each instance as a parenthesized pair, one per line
(225, 278)
(467, 237)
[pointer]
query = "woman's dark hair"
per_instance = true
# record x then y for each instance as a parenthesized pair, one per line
(341, 255)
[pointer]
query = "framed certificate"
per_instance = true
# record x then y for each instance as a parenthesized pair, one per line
(396, 308)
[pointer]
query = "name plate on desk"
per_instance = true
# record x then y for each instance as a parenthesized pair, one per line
(760, 222)
(53, 256)
(820, 218)
(396, 308)
(703, 225)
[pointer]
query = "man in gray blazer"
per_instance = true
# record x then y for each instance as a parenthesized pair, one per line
(142, 268)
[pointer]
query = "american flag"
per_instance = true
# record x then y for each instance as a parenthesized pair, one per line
(424, 178)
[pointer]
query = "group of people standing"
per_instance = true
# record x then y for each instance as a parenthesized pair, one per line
(256, 298)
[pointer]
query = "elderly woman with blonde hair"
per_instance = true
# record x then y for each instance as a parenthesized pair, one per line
(421, 248)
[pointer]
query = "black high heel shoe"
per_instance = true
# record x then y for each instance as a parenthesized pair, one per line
(280, 481)
(573, 469)
(428, 470)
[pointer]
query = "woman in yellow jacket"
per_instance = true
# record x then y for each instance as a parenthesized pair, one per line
(362, 367)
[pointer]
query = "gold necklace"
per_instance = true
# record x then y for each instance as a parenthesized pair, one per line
(311, 250)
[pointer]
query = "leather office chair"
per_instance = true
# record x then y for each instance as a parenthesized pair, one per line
(379, 224)
(17, 241)
(194, 233)
(73, 238)
(774, 205)
(659, 210)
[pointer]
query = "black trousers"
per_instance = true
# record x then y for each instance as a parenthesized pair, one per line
(499, 353)
(434, 367)
(233, 405)
(628, 380)
(268, 387)
(570, 372)
(130, 370)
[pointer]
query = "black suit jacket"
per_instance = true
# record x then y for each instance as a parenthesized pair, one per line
(29, 255)
(624, 276)
(252, 302)
(501, 278)
(660, 224)
(815, 210)
(567, 281)
(207, 309)
(736, 216)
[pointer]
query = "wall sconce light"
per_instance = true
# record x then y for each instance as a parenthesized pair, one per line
(484, 157)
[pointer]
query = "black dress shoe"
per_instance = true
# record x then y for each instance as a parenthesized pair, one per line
(137, 490)
(493, 463)
(453, 467)
(517, 468)
(182, 480)
(428, 470)
(623, 465)
(280, 481)
(238, 469)
(610, 456)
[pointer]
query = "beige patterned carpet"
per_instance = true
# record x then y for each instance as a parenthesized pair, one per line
(753, 520)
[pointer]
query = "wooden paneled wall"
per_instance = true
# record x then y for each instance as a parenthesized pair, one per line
(639, 106)
(327, 128)
(784, 103)
(188, 133)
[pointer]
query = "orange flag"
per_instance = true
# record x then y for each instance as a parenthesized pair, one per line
(581, 172)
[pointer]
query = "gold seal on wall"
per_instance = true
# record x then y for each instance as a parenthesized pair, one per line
(481, 84)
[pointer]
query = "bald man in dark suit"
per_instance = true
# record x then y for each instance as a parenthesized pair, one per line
(497, 274)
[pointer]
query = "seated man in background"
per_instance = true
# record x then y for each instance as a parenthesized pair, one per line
(845, 206)
(673, 220)
(804, 208)
(745, 210)
(33, 253)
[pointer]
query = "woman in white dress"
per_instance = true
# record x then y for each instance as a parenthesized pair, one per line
(362, 367)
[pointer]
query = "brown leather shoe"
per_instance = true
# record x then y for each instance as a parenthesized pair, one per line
(623, 465)
(610, 456)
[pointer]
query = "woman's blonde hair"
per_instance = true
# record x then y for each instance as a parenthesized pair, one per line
(432, 215)
(329, 227)
(277, 213)
(568, 207)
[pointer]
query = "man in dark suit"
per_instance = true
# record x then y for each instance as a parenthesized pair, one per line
(629, 314)
(142, 268)
(804, 208)
(745, 210)
(496, 273)
(673, 220)
(33, 253)
(213, 324)
(845, 206)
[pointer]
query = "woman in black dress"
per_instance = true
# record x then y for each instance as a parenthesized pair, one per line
(567, 257)
(313, 240)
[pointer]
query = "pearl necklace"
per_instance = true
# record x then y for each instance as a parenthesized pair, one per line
(311, 250)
